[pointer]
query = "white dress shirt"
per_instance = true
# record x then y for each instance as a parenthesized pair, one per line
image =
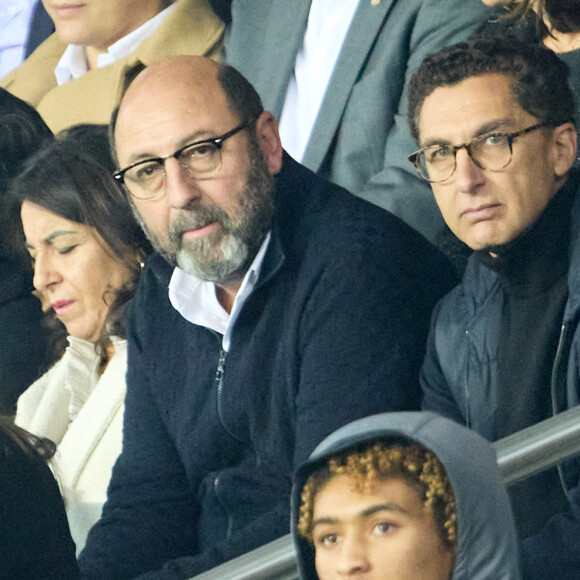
(328, 24)
(74, 64)
(197, 302)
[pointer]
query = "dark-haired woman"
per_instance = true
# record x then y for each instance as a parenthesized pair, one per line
(87, 252)
(35, 541)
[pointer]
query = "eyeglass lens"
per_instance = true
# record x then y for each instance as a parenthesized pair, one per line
(491, 152)
(201, 161)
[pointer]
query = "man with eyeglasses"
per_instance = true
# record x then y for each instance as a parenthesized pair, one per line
(277, 308)
(494, 120)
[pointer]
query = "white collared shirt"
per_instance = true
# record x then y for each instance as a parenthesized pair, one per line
(328, 25)
(197, 302)
(73, 62)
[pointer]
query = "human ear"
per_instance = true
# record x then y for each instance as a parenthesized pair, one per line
(269, 141)
(564, 146)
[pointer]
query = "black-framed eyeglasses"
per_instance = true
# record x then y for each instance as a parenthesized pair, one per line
(201, 160)
(492, 151)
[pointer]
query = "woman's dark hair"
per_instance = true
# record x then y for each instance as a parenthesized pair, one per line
(14, 440)
(22, 133)
(559, 15)
(72, 177)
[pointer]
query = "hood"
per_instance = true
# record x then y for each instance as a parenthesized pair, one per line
(487, 543)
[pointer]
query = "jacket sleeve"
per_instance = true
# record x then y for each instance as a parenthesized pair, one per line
(555, 551)
(397, 187)
(437, 394)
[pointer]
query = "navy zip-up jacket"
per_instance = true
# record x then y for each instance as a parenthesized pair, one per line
(335, 330)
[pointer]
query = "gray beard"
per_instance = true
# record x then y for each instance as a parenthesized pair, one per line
(224, 256)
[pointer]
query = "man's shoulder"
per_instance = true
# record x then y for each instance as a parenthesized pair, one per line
(311, 203)
(191, 28)
(35, 76)
(323, 222)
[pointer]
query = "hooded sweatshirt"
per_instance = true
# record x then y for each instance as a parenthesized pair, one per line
(486, 540)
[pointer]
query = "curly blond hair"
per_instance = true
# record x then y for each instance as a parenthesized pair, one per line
(419, 467)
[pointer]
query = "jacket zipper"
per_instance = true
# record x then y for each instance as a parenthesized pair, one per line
(466, 386)
(553, 385)
(219, 383)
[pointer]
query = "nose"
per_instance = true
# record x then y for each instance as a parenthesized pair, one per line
(468, 176)
(45, 274)
(352, 559)
(181, 189)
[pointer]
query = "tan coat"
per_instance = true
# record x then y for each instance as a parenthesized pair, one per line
(191, 28)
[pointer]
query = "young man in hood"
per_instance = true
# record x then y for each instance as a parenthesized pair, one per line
(398, 496)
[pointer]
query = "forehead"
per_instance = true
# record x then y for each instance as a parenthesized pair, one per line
(166, 113)
(459, 111)
(340, 494)
(38, 221)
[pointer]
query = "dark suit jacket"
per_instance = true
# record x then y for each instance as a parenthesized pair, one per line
(361, 139)
(41, 27)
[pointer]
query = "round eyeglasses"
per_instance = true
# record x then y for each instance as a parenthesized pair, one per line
(492, 151)
(201, 159)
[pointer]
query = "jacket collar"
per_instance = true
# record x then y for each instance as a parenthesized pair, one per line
(479, 282)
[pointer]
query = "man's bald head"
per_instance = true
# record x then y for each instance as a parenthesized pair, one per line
(197, 75)
(198, 155)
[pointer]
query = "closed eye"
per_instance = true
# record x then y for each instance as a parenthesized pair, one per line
(67, 249)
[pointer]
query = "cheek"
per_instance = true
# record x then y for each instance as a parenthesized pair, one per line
(115, 274)
(109, 274)
(324, 564)
(153, 217)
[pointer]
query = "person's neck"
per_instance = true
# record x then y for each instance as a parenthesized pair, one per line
(226, 294)
(533, 261)
(93, 54)
(562, 41)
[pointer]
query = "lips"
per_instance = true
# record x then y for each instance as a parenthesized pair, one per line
(482, 212)
(200, 231)
(62, 306)
(66, 10)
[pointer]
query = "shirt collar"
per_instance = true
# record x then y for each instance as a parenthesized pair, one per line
(73, 62)
(197, 302)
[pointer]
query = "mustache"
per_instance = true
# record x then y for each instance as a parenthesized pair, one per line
(191, 219)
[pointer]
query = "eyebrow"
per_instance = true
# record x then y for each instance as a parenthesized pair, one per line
(366, 513)
(53, 236)
(497, 125)
(199, 135)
